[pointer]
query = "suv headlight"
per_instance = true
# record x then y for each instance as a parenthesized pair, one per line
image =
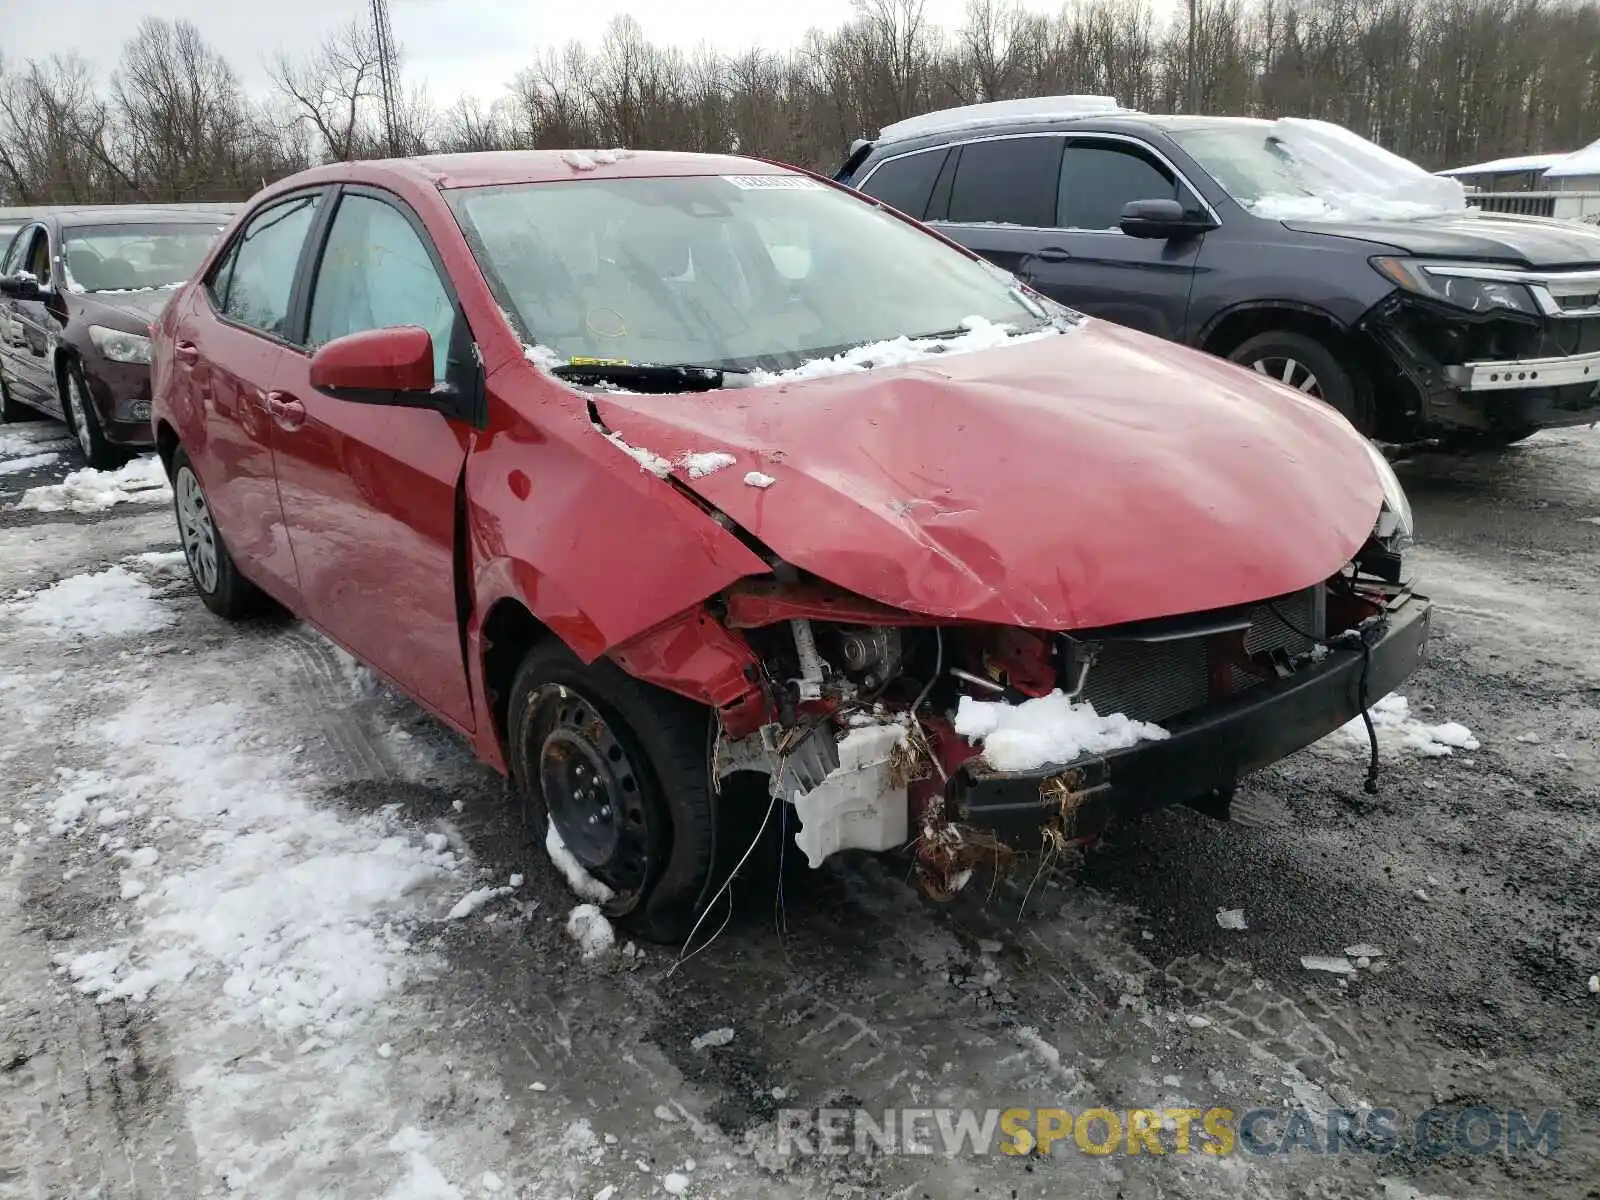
(1474, 295)
(119, 346)
(1394, 518)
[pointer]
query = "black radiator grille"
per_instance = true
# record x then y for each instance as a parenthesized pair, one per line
(1152, 681)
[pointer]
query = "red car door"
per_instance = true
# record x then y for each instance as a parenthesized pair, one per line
(229, 347)
(369, 490)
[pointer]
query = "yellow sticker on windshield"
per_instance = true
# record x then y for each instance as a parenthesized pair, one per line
(598, 362)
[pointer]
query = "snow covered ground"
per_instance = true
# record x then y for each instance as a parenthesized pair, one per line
(267, 931)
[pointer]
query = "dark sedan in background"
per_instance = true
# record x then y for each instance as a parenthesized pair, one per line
(78, 291)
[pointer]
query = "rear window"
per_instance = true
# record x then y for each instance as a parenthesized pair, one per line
(906, 183)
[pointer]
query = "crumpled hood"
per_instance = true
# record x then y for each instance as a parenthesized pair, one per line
(1088, 479)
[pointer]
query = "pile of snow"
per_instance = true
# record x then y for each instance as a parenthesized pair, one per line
(473, 900)
(971, 116)
(1398, 729)
(580, 881)
(16, 466)
(17, 441)
(588, 926)
(1341, 176)
(1046, 731)
(648, 460)
(91, 491)
(706, 463)
(757, 479)
(979, 334)
(1231, 918)
(110, 603)
(293, 910)
(713, 1037)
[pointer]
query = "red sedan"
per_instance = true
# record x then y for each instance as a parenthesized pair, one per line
(658, 474)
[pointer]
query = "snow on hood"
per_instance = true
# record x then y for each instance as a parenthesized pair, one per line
(1352, 179)
(1063, 482)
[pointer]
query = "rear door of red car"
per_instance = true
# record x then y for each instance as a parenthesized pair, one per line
(369, 489)
(232, 341)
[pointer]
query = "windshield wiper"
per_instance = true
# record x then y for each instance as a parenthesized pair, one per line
(647, 377)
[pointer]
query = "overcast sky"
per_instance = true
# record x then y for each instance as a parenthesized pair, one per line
(456, 45)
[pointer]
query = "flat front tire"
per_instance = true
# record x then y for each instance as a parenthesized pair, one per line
(621, 769)
(222, 589)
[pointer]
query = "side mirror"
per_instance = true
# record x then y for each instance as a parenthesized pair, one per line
(1160, 219)
(21, 286)
(379, 366)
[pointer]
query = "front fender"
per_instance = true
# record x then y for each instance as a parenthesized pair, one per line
(596, 548)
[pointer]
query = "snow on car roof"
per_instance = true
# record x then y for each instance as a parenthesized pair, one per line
(1035, 108)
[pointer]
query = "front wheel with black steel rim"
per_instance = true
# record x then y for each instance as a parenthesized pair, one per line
(1311, 368)
(222, 589)
(85, 422)
(619, 769)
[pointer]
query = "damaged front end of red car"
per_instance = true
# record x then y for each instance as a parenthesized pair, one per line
(854, 710)
(995, 618)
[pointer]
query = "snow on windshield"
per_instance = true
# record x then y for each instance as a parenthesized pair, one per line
(1298, 169)
(976, 333)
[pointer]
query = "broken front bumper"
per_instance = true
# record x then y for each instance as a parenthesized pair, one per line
(1525, 373)
(1210, 749)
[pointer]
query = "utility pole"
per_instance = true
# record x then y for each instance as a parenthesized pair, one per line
(388, 76)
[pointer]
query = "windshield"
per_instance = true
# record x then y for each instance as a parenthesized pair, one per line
(737, 272)
(135, 258)
(1292, 168)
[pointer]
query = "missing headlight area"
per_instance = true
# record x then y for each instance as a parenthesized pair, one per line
(971, 744)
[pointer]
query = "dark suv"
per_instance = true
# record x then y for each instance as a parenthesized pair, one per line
(1293, 247)
(78, 291)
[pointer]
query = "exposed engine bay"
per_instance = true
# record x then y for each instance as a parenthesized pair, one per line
(859, 720)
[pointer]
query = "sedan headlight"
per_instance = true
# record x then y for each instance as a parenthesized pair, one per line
(1474, 295)
(1394, 519)
(119, 346)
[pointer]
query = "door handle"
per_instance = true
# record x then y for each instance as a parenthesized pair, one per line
(1051, 254)
(186, 351)
(288, 412)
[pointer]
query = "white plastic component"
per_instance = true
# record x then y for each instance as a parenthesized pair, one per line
(857, 807)
(1036, 108)
(805, 648)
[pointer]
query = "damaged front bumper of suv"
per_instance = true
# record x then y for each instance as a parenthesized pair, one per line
(1524, 355)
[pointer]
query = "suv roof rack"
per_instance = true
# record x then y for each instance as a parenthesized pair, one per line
(1033, 108)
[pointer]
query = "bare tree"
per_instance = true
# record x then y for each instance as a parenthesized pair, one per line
(334, 88)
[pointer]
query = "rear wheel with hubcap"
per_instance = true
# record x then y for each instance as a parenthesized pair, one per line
(620, 769)
(222, 589)
(85, 422)
(1310, 367)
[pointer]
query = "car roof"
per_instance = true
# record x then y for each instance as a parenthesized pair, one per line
(141, 215)
(1045, 121)
(501, 167)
